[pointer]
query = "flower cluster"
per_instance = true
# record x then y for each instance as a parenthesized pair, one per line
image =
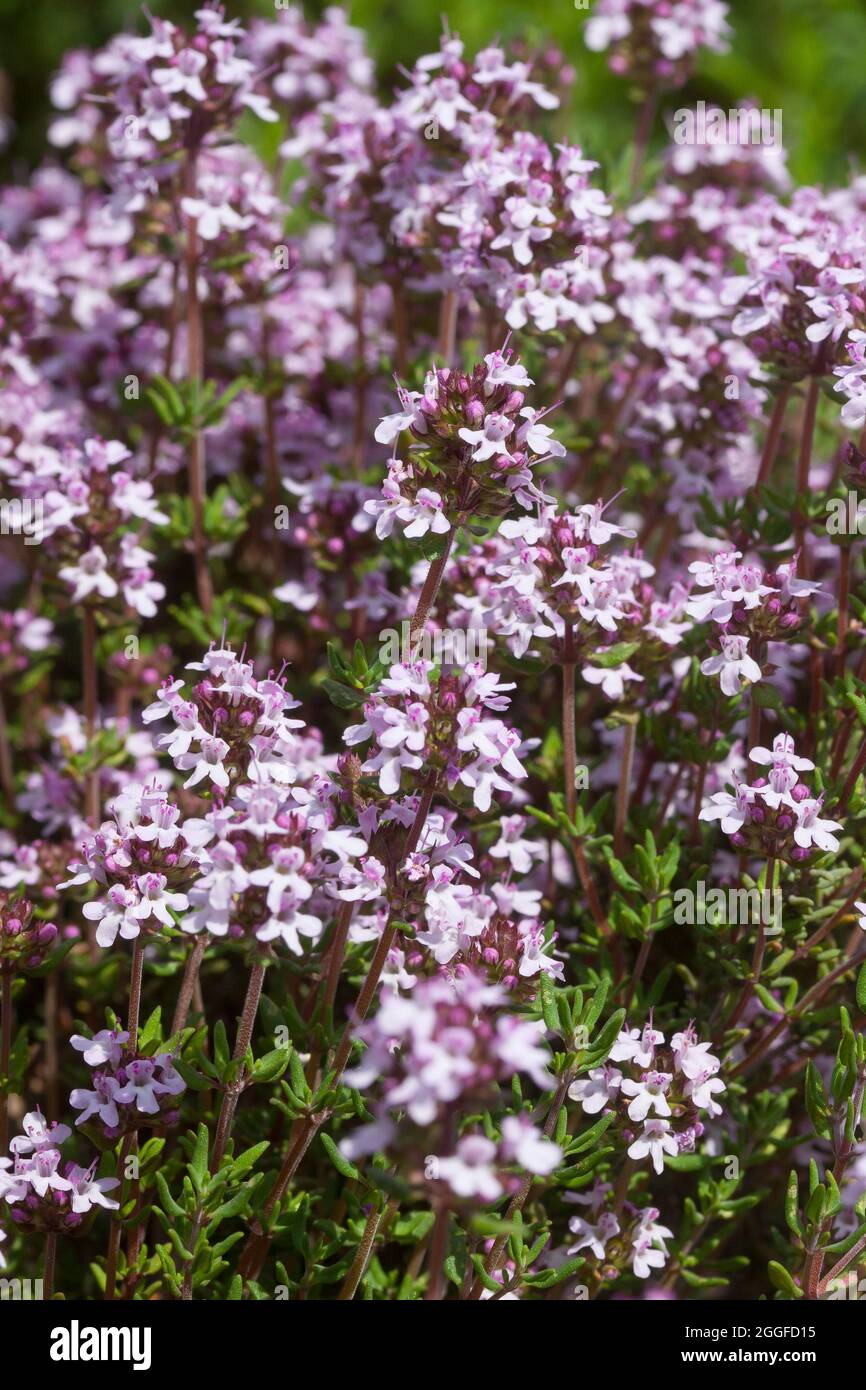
(775, 815)
(751, 606)
(139, 860)
(41, 1191)
(25, 941)
(128, 1091)
(439, 1050)
(477, 1169)
(232, 726)
(635, 1238)
(441, 724)
(663, 1089)
(473, 436)
(653, 42)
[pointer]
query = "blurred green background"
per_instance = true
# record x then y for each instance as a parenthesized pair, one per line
(803, 56)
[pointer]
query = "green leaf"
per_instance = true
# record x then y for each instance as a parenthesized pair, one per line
(782, 1280)
(166, 1198)
(152, 1030)
(221, 1051)
(272, 1065)
(549, 1009)
(193, 1078)
(816, 1102)
(198, 1163)
(342, 1164)
(342, 696)
(792, 1205)
(245, 1161)
(615, 655)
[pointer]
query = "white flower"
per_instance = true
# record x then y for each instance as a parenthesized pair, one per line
(702, 1090)
(526, 1144)
(656, 1140)
(490, 440)
(104, 1047)
(539, 438)
(782, 752)
(595, 1237)
(502, 372)
(812, 830)
(600, 1088)
(156, 901)
(90, 576)
(649, 1094)
(734, 665)
(732, 811)
(115, 917)
(88, 1191)
(207, 763)
(38, 1135)
(611, 679)
(692, 1058)
(634, 1045)
(593, 527)
(469, 1171)
(363, 884)
(648, 1242)
(511, 845)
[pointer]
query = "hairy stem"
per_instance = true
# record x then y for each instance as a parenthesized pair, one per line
(774, 435)
(135, 979)
(232, 1092)
(430, 588)
(188, 983)
(757, 959)
(349, 1287)
(48, 1267)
